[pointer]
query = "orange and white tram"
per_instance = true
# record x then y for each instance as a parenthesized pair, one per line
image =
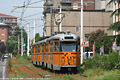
(57, 52)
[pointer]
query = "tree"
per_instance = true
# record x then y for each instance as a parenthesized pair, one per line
(115, 26)
(2, 47)
(37, 37)
(97, 38)
(13, 43)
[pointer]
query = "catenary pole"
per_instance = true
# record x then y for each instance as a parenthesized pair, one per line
(28, 40)
(34, 29)
(21, 40)
(81, 39)
(60, 19)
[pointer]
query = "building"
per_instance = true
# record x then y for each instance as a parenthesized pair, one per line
(8, 19)
(93, 20)
(101, 4)
(7, 26)
(4, 32)
(68, 4)
(95, 17)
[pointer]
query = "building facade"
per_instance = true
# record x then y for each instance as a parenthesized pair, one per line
(69, 4)
(93, 20)
(7, 26)
(8, 19)
(95, 17)
(4, 32)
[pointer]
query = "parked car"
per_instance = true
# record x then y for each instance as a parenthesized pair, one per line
(6, 56)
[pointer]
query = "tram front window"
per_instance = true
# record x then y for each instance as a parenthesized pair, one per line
(68, 46)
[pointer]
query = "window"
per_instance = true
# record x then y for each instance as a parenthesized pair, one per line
(56, 46)
(43, 47)
(51, 46)
(38, 48)
(68, 46)
(78, 45)
(46, 47)
(2, 28)
(33, 50)
(76, 28)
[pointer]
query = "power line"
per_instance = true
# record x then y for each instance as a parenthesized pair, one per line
(35, 2)
(32, 15)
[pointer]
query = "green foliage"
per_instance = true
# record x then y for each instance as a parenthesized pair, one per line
(9, 64)
(37, 37)
(82, 69)
(112, 61)
(115, 26)
(100, 74)
(118, 40)
(12, 42)
(11, 45)
(117, 11)
(68, 77)
(2, 47)
(100, 38)
(17, 31)
(23, 58)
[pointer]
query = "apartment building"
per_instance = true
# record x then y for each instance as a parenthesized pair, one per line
(8, 19)
(4, 32)
(94, 18)
(7, 25)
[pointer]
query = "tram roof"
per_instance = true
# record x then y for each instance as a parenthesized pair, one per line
(62, 37)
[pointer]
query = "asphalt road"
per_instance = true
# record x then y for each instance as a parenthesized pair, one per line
(2, 68)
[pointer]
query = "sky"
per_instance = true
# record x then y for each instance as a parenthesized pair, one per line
(6, 6)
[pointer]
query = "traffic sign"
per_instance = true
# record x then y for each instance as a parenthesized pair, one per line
(85, 43)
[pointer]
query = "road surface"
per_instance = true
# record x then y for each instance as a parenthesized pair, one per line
(2, 69)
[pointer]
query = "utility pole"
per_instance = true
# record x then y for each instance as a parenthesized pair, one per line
(21, 40)
(81, 39)
(60, 19)
(18, 44)
(51, 11)
(28, 40)
(34, 29)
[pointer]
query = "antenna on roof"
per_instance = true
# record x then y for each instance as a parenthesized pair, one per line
(68, 32)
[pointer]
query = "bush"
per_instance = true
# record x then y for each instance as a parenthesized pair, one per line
(9, 64)
(112, 61)
(23, 58)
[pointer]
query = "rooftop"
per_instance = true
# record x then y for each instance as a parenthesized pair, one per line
(5, 15)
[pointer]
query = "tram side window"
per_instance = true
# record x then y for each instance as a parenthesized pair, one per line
(51, 46)
(38, 48)
(78, 46)
(42, 47)
(56, 46)
(33, 50)
(46, 47)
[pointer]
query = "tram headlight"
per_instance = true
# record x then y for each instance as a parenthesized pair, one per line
(63, 59)
(74, 60)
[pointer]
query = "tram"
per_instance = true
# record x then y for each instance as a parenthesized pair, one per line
(61, 51)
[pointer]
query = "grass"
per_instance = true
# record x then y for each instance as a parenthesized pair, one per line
(36, 72)
(99, 74)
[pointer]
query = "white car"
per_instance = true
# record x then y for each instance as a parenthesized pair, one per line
(6, 56)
